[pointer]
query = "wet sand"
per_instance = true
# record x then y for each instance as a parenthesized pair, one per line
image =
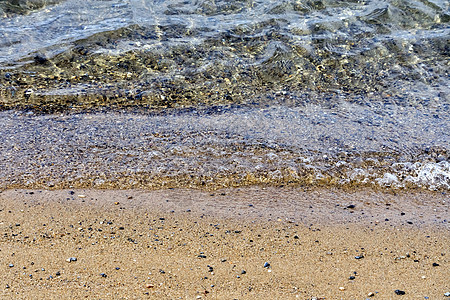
(188, 244)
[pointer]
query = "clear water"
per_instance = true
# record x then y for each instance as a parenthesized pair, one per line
(224, 93)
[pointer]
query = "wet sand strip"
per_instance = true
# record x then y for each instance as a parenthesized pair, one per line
(248, 243)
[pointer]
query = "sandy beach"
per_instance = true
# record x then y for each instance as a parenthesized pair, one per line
(246, 243)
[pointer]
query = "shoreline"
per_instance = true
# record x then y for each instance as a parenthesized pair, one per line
(186, 244)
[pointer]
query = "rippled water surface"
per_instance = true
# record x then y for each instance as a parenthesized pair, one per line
(219, 93)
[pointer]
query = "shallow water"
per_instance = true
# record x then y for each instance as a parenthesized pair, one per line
(224, 93)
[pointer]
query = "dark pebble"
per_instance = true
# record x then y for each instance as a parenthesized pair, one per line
(399, 292)
(103, 275)
(202, 256)
(58, 273)
(352, 277)
(351, 206)
(435, 264)
(117, 268)
(266, 265)
(10, 265)
(244, 272)
(359, 257)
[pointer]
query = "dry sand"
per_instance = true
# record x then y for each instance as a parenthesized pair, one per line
(186, 244)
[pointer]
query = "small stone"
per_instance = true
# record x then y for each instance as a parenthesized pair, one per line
(71, 259)
(244, 272)
(351, 206)
(351, 277)
(149, 286)
(400, 292)
(81, 196)
(201, 256)
(116, 203)
(266, 265)
(58, 273)
(371, 294)
(435, 264)
(447, 294)
(10, 265)
(103, 275)
(359, 257)
(342, 288)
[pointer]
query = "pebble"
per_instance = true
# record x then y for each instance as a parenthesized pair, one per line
(400, 292)
(359, 257)
(11, 265)
(371, 294)
(351, 277)
(342, 288)
(435, 264)
(71, 259)
(266, 265)
(447, 294)
(81, 196)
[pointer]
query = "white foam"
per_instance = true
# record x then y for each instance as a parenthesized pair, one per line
(431, 175)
